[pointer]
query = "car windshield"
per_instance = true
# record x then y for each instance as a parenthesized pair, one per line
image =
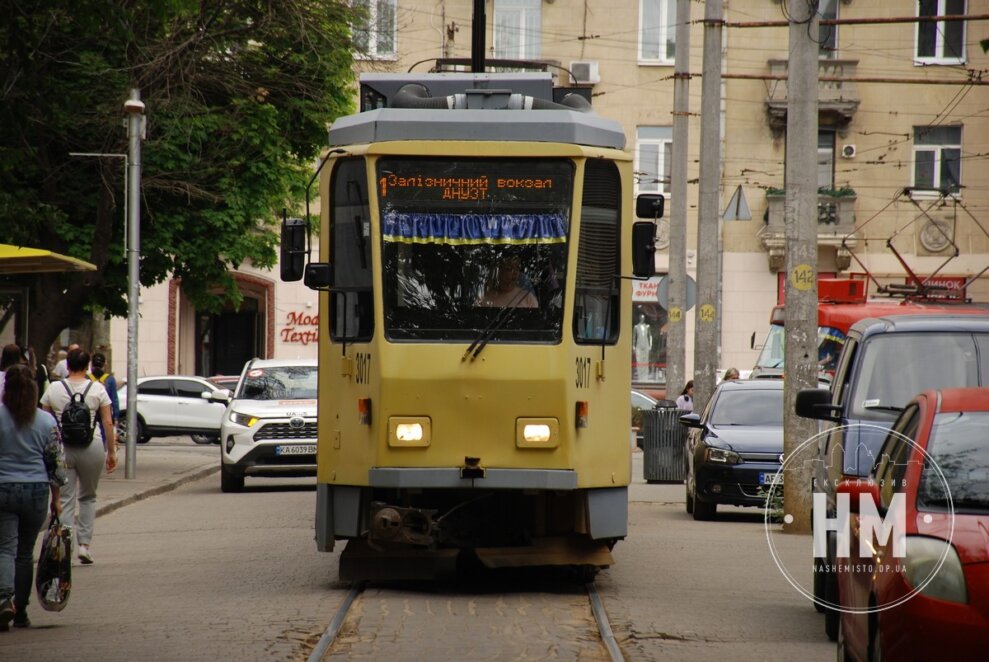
(464, 239)
(748, 407)
(279, 383)
(958, 448)
(829, 343)
(897, 366)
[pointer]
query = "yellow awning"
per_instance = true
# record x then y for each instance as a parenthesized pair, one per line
(23, 260)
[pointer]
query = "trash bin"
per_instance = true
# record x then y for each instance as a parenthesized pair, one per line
(663, 445)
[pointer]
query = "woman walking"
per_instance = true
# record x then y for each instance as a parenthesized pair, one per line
(31, 467)
(84, 464)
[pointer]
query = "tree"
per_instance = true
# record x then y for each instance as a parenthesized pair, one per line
(239, 95)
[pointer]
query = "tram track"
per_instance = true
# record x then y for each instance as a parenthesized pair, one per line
(518, 621)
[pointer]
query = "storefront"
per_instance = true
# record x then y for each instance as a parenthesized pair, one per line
(648, 335)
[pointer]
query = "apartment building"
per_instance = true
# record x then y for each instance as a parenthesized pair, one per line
(903, 137)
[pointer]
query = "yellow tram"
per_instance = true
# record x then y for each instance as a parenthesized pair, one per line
(477, 241)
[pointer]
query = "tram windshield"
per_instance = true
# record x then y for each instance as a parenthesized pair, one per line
(464, 239)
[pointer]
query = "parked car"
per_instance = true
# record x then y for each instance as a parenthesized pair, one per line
(946, 561)
(884, 362)
(175, 405)
(734, 449)
(270, 425)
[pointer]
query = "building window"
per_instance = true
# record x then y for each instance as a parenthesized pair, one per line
(828, 34)
(517, 29)
(657, 31)
(653, 156)
(941, 42)
(825, 159)
(937, 154)
(375, 37)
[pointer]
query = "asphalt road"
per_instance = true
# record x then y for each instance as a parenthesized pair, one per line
(194, 574)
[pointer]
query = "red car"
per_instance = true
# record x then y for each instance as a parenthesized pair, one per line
(929, 598)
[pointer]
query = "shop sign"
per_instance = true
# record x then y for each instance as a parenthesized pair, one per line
(300, 327)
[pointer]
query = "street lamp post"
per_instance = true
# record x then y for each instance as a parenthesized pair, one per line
(134, 110)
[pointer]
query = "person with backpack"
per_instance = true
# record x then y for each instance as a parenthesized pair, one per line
(78, 403)
(98, 373)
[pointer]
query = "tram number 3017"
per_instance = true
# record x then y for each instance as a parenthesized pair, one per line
(363, 362)
(583, 372)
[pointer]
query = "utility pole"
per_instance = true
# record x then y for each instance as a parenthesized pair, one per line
(676, 334)
(800, 218)
(134, 109)
(706, 340)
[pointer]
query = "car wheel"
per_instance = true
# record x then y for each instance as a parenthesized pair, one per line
(140, 436)
(230, 481)
(842, 652)
(204, 439)
(704, 511)
(875, 641)
(819, 579)
(831, 616)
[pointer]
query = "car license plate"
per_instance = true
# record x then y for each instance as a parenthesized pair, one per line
(296, 449)
(771, 479)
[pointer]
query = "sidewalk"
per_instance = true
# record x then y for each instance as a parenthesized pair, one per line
(161, 466)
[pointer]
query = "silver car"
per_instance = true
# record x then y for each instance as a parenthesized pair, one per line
(270, 425)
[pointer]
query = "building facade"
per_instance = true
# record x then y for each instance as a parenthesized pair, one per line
(903, 140)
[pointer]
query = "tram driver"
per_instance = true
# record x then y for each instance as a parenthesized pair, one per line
(504, 289)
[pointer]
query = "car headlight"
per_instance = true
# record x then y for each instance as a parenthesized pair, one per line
(243, 419)
(721, 456)
(921, 565)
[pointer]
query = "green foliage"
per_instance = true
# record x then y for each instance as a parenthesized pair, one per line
(774, 502)
(238, 96)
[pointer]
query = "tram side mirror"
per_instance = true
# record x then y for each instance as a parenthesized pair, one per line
(293, 249)
(650, 205)
(319, 275)
(643, 249)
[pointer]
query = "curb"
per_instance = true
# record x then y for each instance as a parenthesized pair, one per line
(154, 491)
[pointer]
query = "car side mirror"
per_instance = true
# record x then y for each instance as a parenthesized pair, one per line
(221, 395)
(816, 403)
(691, 420)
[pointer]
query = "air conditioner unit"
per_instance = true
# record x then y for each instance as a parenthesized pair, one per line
(585, 72)
(848, 151)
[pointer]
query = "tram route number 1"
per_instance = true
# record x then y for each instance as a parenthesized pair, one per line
(363, 362)
(583, 372)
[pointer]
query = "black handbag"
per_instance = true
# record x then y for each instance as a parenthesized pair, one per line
(54, 577)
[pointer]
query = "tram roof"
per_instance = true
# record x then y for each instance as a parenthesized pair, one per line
(558, 124)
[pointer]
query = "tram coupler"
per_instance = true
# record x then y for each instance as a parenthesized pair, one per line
(396, 524)
(472, 468)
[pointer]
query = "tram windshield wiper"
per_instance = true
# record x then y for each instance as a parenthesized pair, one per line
(482, 339)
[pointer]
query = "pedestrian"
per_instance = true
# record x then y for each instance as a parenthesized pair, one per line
(730, 373)
(40, 371)
(83, 464)
(686, 400)
(10, 355)
(61, 368)
(31, 467)
(99, 373)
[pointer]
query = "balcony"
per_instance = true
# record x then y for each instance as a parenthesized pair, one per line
(835, 225)
(837, 100)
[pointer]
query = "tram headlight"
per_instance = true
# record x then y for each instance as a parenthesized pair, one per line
(409, 431)
(537, 432)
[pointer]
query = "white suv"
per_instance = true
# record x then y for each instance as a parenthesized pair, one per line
(269, 428)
